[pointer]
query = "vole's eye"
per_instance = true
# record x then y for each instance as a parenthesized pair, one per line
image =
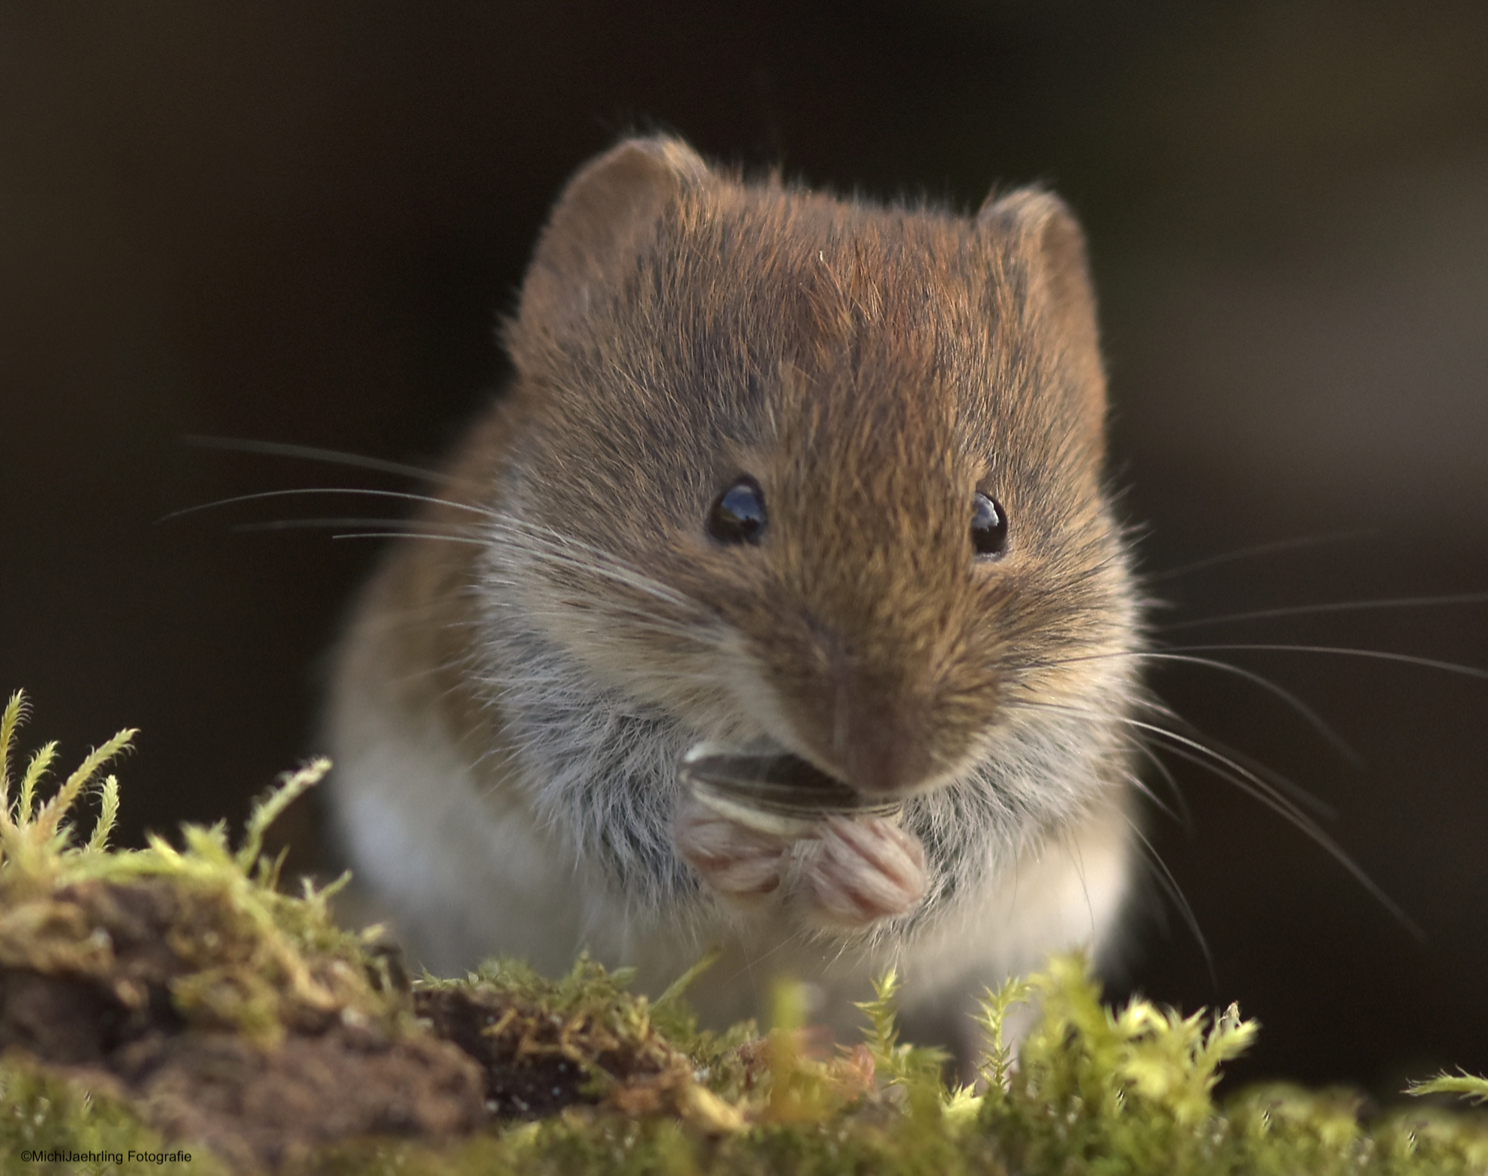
(738, 514)
(988, 527)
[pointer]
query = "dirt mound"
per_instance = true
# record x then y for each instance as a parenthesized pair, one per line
(101, 1005)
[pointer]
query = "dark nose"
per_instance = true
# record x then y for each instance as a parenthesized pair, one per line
(879, 735)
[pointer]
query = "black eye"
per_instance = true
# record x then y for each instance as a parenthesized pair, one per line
(738, 514)
(988, 526)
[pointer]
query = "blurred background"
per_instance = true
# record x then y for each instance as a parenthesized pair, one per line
(299, 223)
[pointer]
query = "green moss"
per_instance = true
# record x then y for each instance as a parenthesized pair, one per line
(590, 1077)
(245, 956)
(50, 1125)
(1469, 1087)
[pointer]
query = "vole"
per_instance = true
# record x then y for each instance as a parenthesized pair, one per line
(809, 487)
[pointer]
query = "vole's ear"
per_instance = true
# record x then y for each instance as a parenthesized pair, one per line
(608, 209)
(1040, 232)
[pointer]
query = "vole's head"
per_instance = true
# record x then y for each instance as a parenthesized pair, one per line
(820, 474)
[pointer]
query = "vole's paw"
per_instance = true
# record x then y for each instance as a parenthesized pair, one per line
(866, 869)
(737, 862)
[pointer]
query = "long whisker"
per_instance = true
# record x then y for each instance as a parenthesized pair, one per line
(1196, 752)
(414, 617)
(312, 524)
(1253, 785)
(559, 549)
(1339, 606)
(638, 620)
(1146, 789)
(540, 538)
(314, 453)
(409, 535)
(1258, 549)
(1259, 788)
(1310, 716)
(401, 495)
(1408, 659)
(1180, 812)
(1282, 785)
(1277, 647)
(1169, 884)
(1305, 712)
(1285, 790)
(606, 565)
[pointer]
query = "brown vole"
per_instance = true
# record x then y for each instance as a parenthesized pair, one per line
(782, 481)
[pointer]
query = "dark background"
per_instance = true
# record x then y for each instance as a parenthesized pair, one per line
(298, 223)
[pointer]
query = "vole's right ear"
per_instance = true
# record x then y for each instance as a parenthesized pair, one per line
(607, 211)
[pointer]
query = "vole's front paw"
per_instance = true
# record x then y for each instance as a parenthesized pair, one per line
(737, 862)
(866, 869)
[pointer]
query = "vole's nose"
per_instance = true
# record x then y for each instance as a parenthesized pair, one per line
(879, 737)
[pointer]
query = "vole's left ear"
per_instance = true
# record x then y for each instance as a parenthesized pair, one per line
(608, 211)
(1041, 233)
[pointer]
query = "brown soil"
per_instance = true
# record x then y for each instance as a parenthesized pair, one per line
(114, 1026)
(518, 1085)
(91, 983)
(535, 1062)
(257, 1107)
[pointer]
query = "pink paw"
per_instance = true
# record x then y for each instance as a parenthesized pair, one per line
(737, 862)
(866, 869)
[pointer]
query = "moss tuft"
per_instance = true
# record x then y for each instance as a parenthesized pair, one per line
(183, 983)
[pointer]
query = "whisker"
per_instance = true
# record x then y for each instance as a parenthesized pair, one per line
(409, 535)
(600, 628)
(540, 538)
(1195, 752)
(1258, 549)
(401, 495)
(1408, 659)
(1274, 779)
(540, 541)
(1283, 785)
(632, 615)
(557, 550)
(1286, 791)
(621, 573)
(1077, 859)
(1259, 788)
(314, 453)
(1181, 813)
(1310, 716)
(426, 612)
(1255, 787)
(1165, 879)
(1181, 652)
(1339, 606)
(309, 524)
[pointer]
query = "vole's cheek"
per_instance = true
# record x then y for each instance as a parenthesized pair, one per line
(864, 869)
(738, 862)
